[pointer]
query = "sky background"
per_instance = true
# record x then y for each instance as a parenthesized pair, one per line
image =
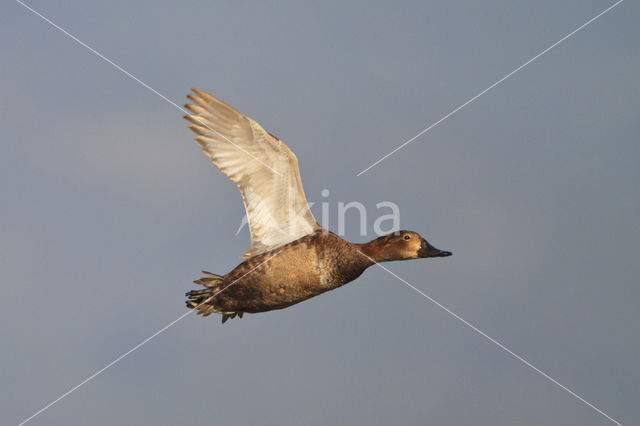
(109, 210)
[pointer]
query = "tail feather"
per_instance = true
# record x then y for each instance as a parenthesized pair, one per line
(209, 280)
(203, 300)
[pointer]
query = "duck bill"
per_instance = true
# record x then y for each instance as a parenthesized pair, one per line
(427, 250)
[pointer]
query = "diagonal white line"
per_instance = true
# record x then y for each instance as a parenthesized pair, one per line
(491, 87)
(133, 77)
(115, 361)
(500, 345)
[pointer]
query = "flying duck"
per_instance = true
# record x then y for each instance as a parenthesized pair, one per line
(291, 257)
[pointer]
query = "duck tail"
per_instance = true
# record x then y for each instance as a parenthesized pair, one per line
(202, 300)
(210, 280)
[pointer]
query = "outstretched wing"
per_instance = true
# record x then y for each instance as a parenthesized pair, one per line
(264, 168)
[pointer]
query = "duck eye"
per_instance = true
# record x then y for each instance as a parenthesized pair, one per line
(407, 237)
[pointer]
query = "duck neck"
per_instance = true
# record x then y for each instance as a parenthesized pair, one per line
(370, 252)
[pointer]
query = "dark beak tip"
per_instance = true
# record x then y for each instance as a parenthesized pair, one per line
(445, 254)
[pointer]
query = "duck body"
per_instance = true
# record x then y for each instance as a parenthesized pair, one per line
(282, 277)
(291, 257)
(299, 270)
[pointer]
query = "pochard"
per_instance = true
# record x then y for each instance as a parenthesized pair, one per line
(291, 258)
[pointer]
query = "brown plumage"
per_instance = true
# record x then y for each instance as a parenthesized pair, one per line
(291, 258)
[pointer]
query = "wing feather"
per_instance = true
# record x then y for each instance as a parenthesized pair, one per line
(264, 168)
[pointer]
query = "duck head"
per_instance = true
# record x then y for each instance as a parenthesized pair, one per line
(401, 245)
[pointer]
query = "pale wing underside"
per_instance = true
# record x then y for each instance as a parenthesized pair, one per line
(264, 168)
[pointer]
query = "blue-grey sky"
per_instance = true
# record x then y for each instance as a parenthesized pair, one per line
(109, 210)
